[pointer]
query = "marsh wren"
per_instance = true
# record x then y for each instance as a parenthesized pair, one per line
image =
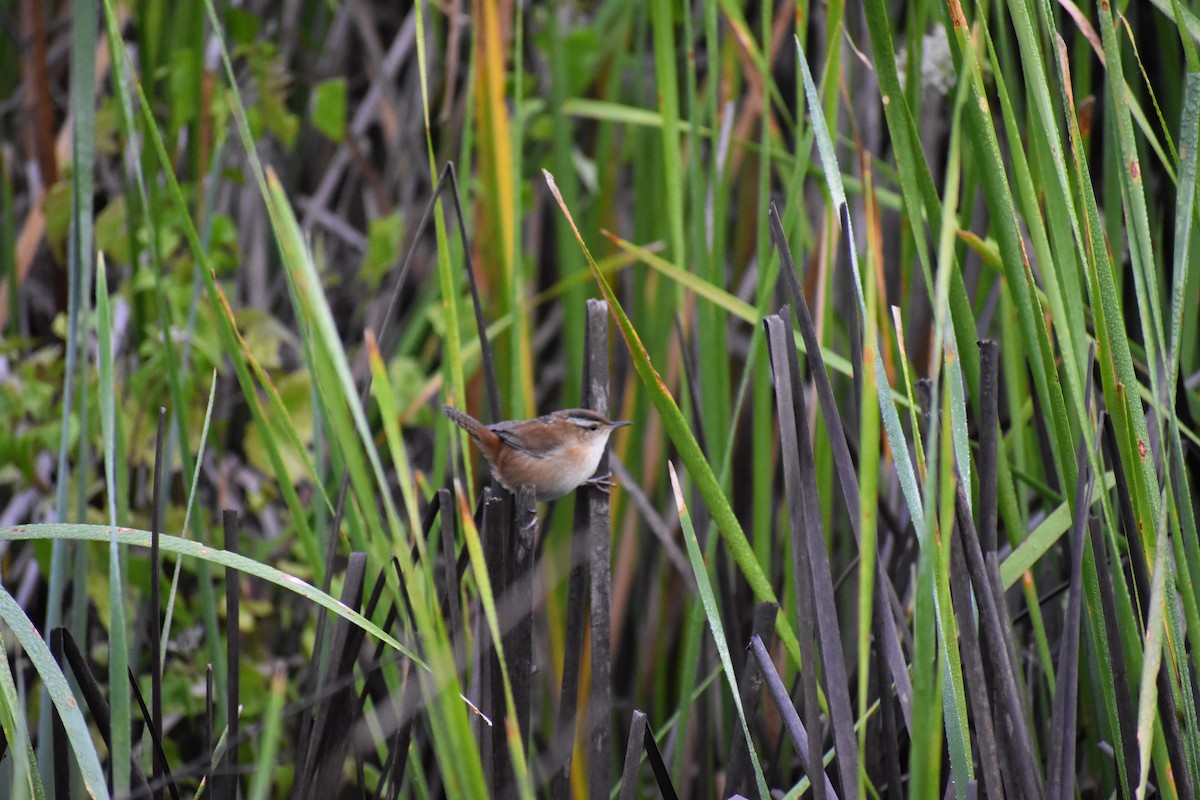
(554, 454)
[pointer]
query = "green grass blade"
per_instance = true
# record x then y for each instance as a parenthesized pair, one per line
(232, 343)
(265, 771)
(78, 733)
(1137, 221)
(662, 24)
(79, 267)
(118, 649)
(1185, 198)
(868, 506)
(215, 556)
(713, 615)
(187, 516)
(1113, 352)
(1148, 693)
(448, 279)
(12, 721)
(1043, 537)
(488, 600)
(891, 418)
(954, 704)
(677, 429)
(313, 308)
(718, 297)
(1145, 284)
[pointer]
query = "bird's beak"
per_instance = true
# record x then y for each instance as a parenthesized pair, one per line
(620, 423)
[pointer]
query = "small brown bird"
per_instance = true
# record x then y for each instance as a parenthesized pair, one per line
(554, 454)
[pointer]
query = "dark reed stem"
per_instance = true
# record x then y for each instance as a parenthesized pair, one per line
(233, 641)
(599, 535)
(156, 698)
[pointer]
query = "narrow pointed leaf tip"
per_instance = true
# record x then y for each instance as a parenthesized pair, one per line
(566, 212)
(679, 501)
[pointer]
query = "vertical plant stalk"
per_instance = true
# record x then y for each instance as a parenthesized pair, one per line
(326, 753)
(156, 699)
(35, 74)
(519, 562)
(83, 45)
(1061, 778)
(209, 714)
(815, 608)
(118, 664)
(444, 506)
(982, 716)
(679, 432)
(495, 536)
(62, 769)
(890, 640)
(633, 755)
(516, 769)
(590, 562)
(233, 641)
(1127, 757)
(712, 616)
(1012, 721)
(599, 538)
(989, 442)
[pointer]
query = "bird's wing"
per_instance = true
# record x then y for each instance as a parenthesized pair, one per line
(509, 435)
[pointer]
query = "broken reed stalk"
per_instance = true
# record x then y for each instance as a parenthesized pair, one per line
(641, 741)
(494, 750)
(518, 641)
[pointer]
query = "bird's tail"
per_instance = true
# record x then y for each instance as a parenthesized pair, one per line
(465, 421)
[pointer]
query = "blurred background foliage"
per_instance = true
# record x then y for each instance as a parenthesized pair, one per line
(1021, 172)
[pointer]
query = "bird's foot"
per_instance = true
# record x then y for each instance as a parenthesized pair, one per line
(603, 482)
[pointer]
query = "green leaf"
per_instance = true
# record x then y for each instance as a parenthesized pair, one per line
(384, 237)
(241, 26)
(57, 208)
(112, 238)
(264, 774)
(329, 108)
(185, 105)
(1042, 538)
